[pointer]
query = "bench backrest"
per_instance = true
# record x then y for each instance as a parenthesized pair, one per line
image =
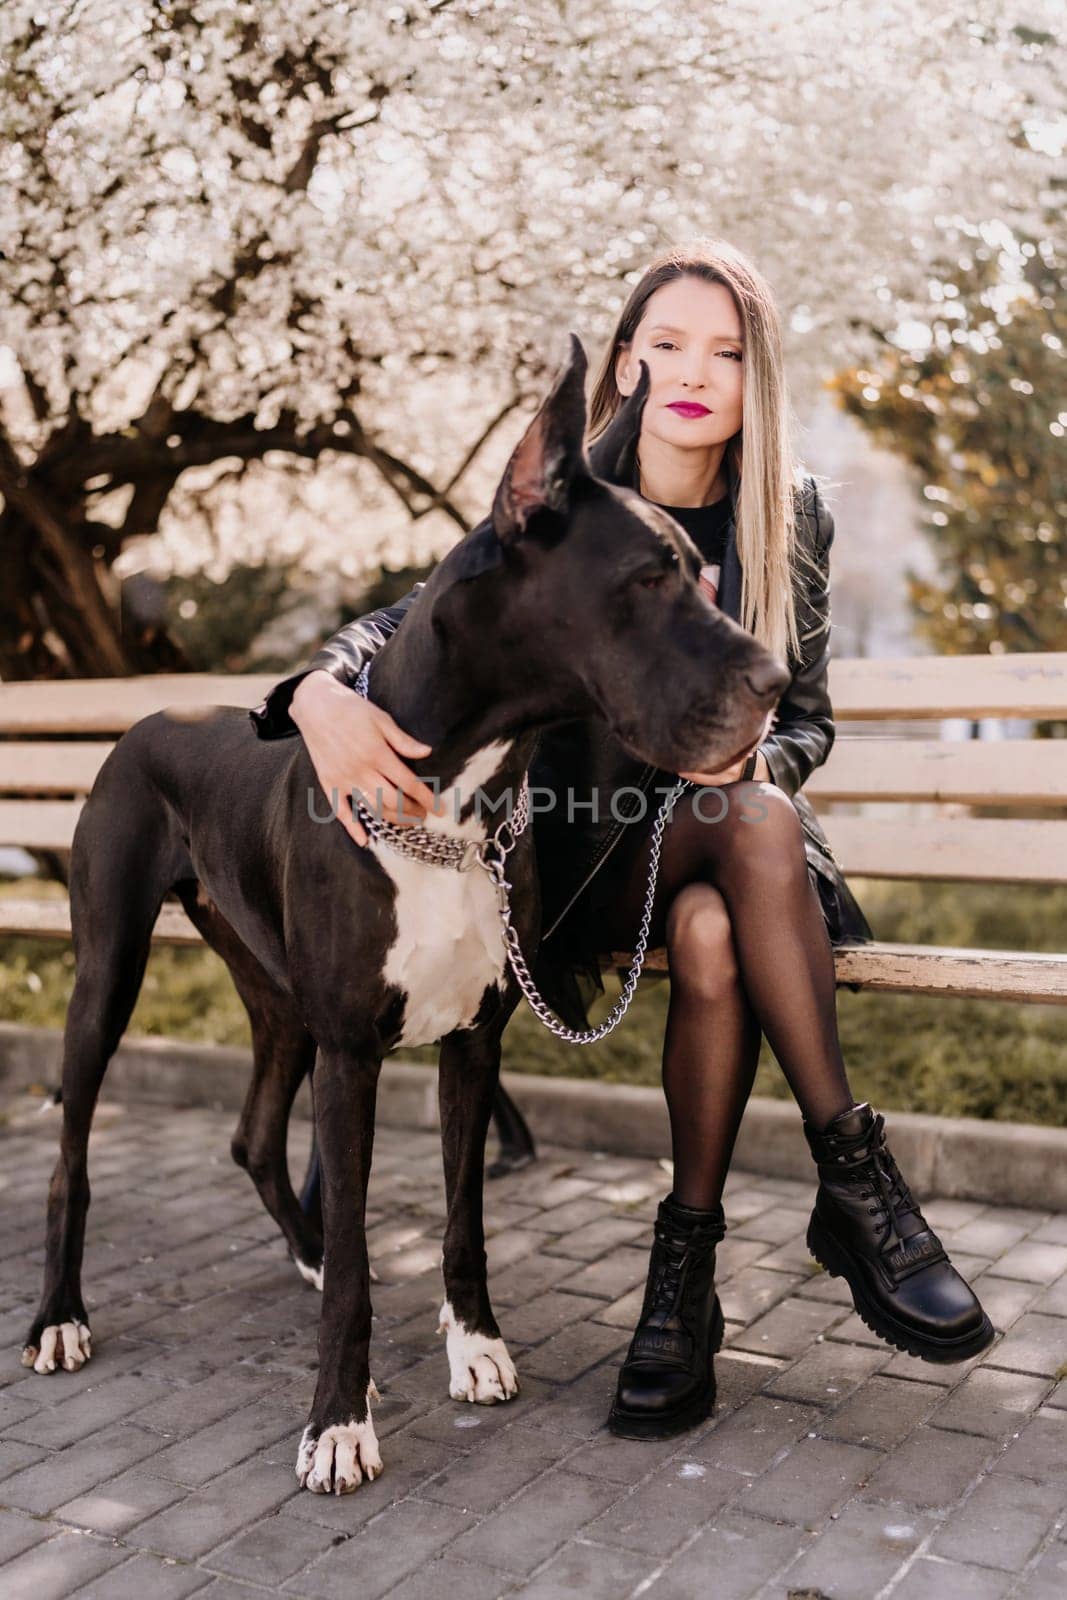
(894, 803)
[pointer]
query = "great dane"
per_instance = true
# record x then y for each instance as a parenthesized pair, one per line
(573, 599)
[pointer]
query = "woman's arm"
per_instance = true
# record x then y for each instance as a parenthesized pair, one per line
(805, 731)
(342, 656)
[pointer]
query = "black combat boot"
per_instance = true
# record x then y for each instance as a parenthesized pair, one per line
(867, 1229)
(667, 1382)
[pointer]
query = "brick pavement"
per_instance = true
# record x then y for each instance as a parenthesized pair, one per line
(833, 1466)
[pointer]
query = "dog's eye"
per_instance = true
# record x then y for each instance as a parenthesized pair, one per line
(654, 579)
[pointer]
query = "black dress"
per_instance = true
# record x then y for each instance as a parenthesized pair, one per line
(576, 939)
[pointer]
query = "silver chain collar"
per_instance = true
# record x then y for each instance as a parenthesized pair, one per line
(425, 844)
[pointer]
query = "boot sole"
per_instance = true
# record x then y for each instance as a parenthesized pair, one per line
(630, 1425)
(840, 1263)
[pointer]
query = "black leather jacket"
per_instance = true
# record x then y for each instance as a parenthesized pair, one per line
(585, 755)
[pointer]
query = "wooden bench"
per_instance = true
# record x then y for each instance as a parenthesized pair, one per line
(909, 802)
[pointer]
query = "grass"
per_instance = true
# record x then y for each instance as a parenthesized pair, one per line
(977, 1058)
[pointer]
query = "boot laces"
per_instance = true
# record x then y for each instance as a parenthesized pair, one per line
(894, 1196)
(671, 1258)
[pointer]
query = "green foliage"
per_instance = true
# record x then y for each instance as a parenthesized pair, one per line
(216, 623)
(221, 625)
(973, 1058)
(981, 416)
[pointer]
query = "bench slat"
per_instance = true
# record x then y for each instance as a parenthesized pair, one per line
(1030, 772)
(933, 969)
(1031, 684)
(39, 824)
(111, 705)
(50, 919)
(965, 850)
(925, 969)
(69, 767)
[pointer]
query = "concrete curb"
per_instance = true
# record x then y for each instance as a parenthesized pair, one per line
(1000, 1163)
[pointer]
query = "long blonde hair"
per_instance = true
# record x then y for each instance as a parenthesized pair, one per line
(764, 493)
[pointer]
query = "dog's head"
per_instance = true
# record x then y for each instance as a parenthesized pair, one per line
(598, 588)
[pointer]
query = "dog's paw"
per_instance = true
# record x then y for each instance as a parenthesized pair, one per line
(337, 1460)
(62, 1344)
(310, 1274)
(480, 1368)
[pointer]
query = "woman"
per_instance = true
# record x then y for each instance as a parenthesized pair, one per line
(748, 902)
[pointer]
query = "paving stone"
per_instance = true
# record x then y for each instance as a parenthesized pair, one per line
(58, 1566)
(1005, 1299)
(1048, 1578)
(526, 1531)
(119, 1505)
(447, 1576)
(741, 1552)
(610, 1277)
(776, 1225)
(592, 1571)
(1035, 1263)
(789, 1328)
(990, 1234)
(661, 1513)
(496, 1468)
(596, 1238)
(882, 1412)
(753, 1290)
(207, 1517)
(381, 1554)
(931, 1579)
(566, 1356)
(146, 1578)
(270, 1551)
(205, 1367)
(1040, 1451)
(860, 1552)
(546, 1315)
(1036, 1343)
(749, 1440)
(1053, 1298)
(207, 1453)
(13, 1457)
(103, 1403)
(62, 1476)
(827, 1372)
(1002, 1523)
(991, 1402)
(931, 1468)
(18, 1533)
(815, 1476)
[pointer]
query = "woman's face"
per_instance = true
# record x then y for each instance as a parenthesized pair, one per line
(690, 335)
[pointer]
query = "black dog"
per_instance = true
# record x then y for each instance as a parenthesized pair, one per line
(573, 599)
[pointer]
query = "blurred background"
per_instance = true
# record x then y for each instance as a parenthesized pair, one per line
(280, 287)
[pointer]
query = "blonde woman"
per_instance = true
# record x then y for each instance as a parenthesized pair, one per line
(749, 901)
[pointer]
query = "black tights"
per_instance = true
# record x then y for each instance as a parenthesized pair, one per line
(748, 953)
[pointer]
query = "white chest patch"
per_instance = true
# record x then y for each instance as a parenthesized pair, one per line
(449, 943)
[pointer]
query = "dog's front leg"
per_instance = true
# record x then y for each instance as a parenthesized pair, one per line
(480, 1368)
(339, 1447)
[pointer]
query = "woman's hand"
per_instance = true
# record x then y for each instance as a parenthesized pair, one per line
(354, 744)
(731, 774)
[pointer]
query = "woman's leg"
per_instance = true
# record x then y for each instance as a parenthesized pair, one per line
(751, 851)
(866, 1225)
(711, 1044)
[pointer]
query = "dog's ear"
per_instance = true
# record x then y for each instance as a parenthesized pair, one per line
(610, 456)
(548, 457)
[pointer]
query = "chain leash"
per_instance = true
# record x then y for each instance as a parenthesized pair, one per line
(491, 853)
